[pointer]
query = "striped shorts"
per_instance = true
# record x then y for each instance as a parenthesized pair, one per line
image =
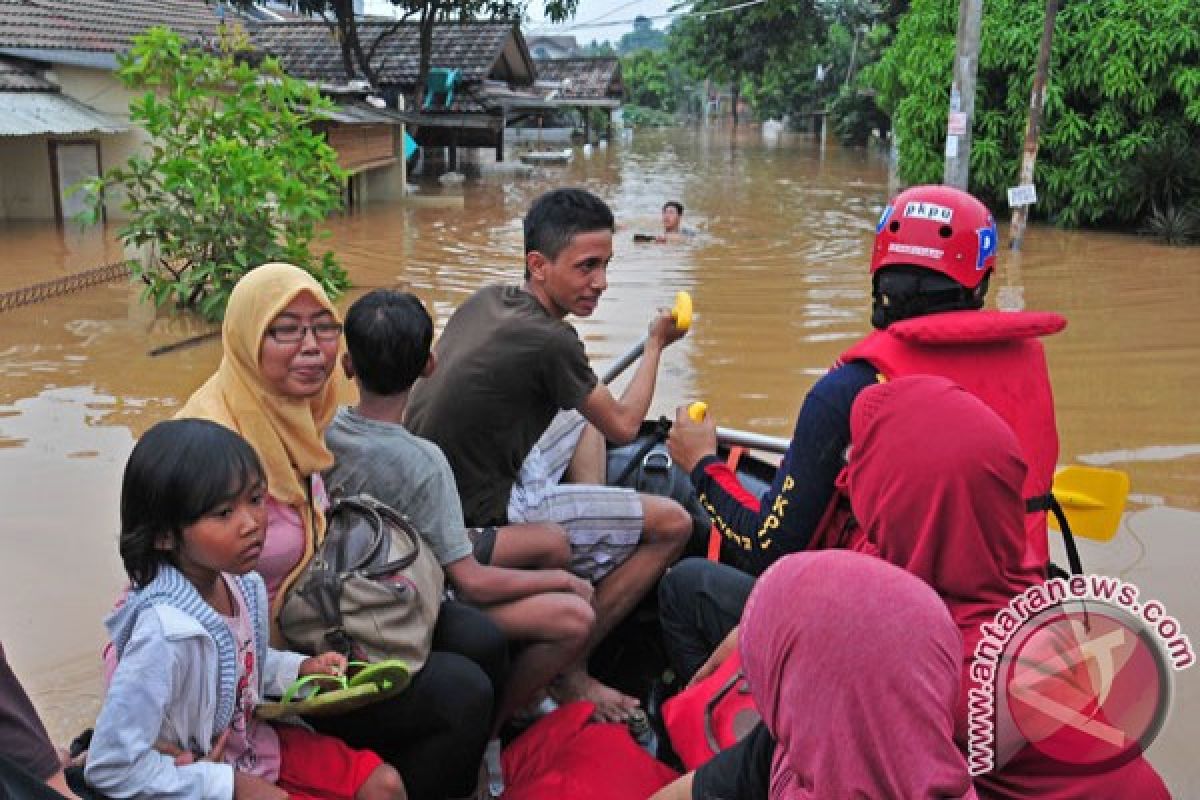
(603, 523)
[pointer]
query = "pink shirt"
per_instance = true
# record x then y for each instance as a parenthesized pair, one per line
(253, 746)
(284, 546)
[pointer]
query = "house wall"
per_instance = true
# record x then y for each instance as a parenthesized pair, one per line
(101, 90)
(26, 191)
(387, 184)
(27, 183)
(26, 176)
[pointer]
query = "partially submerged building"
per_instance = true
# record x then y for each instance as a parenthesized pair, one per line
(482, 74)
(64, 115)
(583, 83)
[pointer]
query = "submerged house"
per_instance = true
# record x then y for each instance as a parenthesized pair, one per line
(583, 83)
(482, 73)
(64, 115)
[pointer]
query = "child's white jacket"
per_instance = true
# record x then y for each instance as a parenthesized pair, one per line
(175, 683)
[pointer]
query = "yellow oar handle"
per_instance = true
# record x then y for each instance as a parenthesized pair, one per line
(682, 311)
(697, 411)
(1081, 500)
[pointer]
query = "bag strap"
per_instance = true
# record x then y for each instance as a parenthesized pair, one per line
(710, 735)
(368, 507)
(388, 515)
(662, 427)
(1049, 503)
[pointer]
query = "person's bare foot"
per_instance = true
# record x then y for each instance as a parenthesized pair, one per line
(611, 705)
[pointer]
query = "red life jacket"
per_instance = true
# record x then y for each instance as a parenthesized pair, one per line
(996, 356)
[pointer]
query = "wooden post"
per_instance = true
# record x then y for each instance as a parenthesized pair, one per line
(962, 95)
(1037, 101)
(500, 136)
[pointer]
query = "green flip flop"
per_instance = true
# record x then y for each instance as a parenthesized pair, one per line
(328, 695)
(391, 676)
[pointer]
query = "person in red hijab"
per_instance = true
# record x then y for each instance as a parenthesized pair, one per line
(934, 478)
(885, 733)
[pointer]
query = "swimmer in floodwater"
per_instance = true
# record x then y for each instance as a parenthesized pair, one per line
(673, 230)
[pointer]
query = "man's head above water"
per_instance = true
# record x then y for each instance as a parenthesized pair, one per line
(672, 216)
(935, 249)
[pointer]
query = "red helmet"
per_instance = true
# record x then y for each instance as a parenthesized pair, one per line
(940, 228)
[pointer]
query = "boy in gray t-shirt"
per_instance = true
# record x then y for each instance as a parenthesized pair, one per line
(542, 608)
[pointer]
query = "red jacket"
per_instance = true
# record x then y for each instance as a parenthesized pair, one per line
(996, 356)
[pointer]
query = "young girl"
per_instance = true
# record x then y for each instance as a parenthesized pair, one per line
(191, 638)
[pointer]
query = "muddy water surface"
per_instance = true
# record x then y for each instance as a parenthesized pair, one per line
(778, 275)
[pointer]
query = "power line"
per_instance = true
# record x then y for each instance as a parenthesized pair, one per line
(610, 12)
(573, 26)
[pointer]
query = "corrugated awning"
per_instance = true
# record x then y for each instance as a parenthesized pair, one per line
(362, 114)
(33, 113)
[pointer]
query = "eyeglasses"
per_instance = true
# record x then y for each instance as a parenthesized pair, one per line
(294, 333)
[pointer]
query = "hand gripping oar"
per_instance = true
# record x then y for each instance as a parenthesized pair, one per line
(1092, 498)
(681, 311)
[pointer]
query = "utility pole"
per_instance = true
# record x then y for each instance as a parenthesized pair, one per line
(1037, 101)
(962, 94)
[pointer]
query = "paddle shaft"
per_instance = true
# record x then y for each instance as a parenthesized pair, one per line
(754, 441)
(622, 363)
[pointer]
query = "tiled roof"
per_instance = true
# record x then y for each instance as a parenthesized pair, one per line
(15, 76)
(103, 26)
(309, 50)
(582, 76)
(561, 42)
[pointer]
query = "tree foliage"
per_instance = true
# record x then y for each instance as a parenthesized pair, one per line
(1122, 116)
(767, 52)
(235, 175)
(652, 80)
(642, 37)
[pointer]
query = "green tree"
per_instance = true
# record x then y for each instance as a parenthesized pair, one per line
(1123, 95)
(651, 80)
(642, 37)
(599, 49)
(234, 176)
(765, 51)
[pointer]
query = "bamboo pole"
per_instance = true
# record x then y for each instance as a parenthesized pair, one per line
(1037, 101)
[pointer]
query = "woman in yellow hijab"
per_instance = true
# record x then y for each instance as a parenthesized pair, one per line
(280, 339)
(280, 345)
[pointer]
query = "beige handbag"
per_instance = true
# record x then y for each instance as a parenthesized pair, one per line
(372, 590)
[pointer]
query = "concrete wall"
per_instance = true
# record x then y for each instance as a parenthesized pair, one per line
(26, 192)
(101, 90)
(387, 184)
(26, 176)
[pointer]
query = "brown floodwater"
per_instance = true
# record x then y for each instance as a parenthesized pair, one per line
(778, 276)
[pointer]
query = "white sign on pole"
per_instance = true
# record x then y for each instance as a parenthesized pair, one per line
(957, 126)
(951, 147)
(1025, 195)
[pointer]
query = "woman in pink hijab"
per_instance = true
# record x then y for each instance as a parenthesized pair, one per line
(854, 665)
(934, 478)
